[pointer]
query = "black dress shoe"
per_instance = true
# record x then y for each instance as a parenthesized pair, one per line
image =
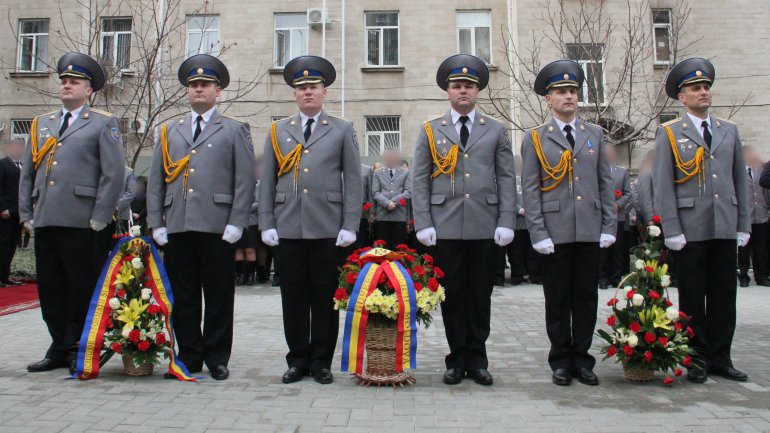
(730, 373)
(536, 280)
(219, 372)
(562, 377)
(249, 280)
(276, 281)
(453, 376)
(46, 364)
(499, 281)
(763, 283)
(239, 279)
(73, 366)
(744, 284)
(697, 375)
(293, 374)
(516, 281)
(323, 376)
(587, 377)
(480, 376)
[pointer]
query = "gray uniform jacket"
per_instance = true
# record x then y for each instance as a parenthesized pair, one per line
(124, 203)
(86, 175)
(564, 217)
(328, 193)
(254, 211)
(644, 206)
(521, 220)
(717, 205)
(387, 189)
(220, 188)
(620, 182)
(484, 194)
(366, 184)
(758, 200)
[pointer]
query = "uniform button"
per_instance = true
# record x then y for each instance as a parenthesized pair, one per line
(467, 175)
(50, 183)
(209, 145)
(712, 157)
(307, 151)
(305, 170)
(304, 191)
(579, 198)
(467, 196)
(58, 144)
(465, 156)
(190, 190)
(55, 162)
(194, 152)
(577, 178)
(192, 170)
(714, 176)
(574, 159)
(716, 195)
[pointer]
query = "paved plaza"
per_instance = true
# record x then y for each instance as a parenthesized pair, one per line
(254, 399)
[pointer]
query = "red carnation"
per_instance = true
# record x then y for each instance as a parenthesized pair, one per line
(656, 219)
(366, 206)
(402, 202)
(121, 293)
(417, 286)
(351, 277)
(687, 361)
(635, 327)
(409, 258)
(648, 357)
(432, 284)
(340, 294)
(682, 315)
(160, 338)
(427, 258)
(628, 350)
(668, 381)
(134, 336)
(678, 326)
(379, 243)
(143, 345)
(419, 270)
(663, 341)
(116, 347)
(654, 295)
(630, 294)
(690, 332)
(402, 247)
(153, 309)
(618, 193)
(649, 337)
(438, 272)
(353, 257)
(669, 303)
(649, 269)
(611, 320)
(612, 302)
(678, 372)
(611, 351)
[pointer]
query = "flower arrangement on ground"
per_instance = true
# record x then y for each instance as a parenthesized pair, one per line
(648, 333)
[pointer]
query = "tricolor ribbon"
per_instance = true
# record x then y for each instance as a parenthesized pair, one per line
(379, 261)
(92, 339)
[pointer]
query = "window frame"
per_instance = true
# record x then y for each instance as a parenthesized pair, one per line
(473, 32)
(201, 31)
(291, 30)
(115, 41)
(381, 134)
(34, 56)
(14, 135)
(583, 64)
(669, 29)
(381, 40)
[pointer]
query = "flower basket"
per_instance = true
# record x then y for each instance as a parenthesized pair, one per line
(381, 357)
(131, 369)
(638, 373)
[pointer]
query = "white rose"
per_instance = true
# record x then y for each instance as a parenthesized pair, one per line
(672, 314)
(639, 264)
(654, 231)
(633, 340)
(665, 280)
(114, 303)
(628, 289)
(647, 252)
(135, 231)
(637, 300)
(136, 262)
(146, 294)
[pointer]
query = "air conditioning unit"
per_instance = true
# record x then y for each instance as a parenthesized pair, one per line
(138, 125)
(316, 16)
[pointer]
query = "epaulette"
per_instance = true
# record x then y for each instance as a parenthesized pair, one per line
(671, 122)
(230, 118)
(719, 119)
(52, 114)
(432, 118)
(539, 126)
(103, 113)
(338, 118)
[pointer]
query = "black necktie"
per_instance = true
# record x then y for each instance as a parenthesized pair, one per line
(751, 175)
(391, 172)
(308, 128)
(65, 123)
(198, 121)
(464, 133)
(570, 138)
(706, 133)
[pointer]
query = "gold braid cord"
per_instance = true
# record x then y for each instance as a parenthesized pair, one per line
(288, 162)
(444, 164)
(691, 168)
(172, 168)
(38, 155)
(554, 174)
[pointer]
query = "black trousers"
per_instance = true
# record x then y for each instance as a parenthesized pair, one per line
(469, 267)
(707, 292)
(570, 278)
(524, 259)
(364, 235)
(611, 263)
(10, 232)
(309, 273)
(392, 232)
(202, 263)
(756, 253)
(67, 261)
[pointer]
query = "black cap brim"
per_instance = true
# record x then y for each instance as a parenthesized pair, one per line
(316, 63)
(86, 62)
(685, 67)
(462, 61)
(558, 67)
(207, 62)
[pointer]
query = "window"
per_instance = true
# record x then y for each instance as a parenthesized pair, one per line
(20, 129)
(382, 133)
(382, 38)
(33, 45)
(590, 57)
(116, 41)
(202, 35)
(473, 34)
(666, 117)
(661, 23)
(290, 37)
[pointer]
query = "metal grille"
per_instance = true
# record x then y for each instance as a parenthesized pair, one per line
(382, 133)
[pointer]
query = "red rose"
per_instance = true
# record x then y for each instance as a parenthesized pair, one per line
(654, 295)
(402, 202)
(690, 332)
(353, 257)
(656, 219)
(635, 327)
(683, 316)
(687, 361)
(618, 193)
(628, 350)
(134, 336)
(379, 243)
(649, 269)
(351, 277)
(663, 341)
(611, 320)
(143, 345)
(612, 302)
(419, 270)
(402, 247)
(432, 284)
(121, 293)
(427, 258)
(411, 221)
(649, 337)
(677, 326)
(678, 372)
(669, 303)
(160, 338)
(417, 286)
(648, 357)
(438, 272)
(340, 294)
(153, 309)
(366, 206)
(409, 258)
(630, 294)
(668, 381)
(116, 347)
(611, 351)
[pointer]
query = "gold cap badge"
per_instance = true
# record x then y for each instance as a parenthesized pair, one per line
(465, 70)
(699, 73)
(566, 76)
(305, 73)
(200, 71)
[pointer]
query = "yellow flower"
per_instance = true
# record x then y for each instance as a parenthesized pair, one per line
(125, 275)
(656, 316)
(129, 313)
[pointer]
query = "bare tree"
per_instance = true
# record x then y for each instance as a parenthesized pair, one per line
(139, 45)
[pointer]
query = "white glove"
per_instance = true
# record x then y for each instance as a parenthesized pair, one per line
(270, 237)
(427, 236)
(743, 238)
(160, 235)
(29, 225)
(676, 243)
(232, 234)
(606, 240)
(345, 238)
(97, 226)
(544, 247)
(503, 236)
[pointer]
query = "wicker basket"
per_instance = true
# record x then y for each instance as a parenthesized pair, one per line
(381, 356)
(637, 373)
(130, 369)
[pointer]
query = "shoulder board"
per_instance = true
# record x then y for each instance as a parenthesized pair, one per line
(671, 122)
(338, 118)
(434, 117)
(51, 114)
(725, 120)
(539, 126)
(103, 113)
(284, 119)
(230, 118)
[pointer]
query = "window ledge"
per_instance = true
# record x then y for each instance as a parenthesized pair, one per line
(382, 69)
(661, 65)
(492, 67)
(127, 73)
(30, 74)
(275, 71)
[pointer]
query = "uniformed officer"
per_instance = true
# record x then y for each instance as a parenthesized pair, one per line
(310, 202)
(643, 195)
(755, 252)
(702, 197)
(366, 227)
(463, 199)
(570, 209)
(611, 266)
(72, 177)
(199, 193)
(392, 190)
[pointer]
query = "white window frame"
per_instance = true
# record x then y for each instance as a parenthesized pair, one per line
(23, 136)
(473, 32)
(381, 134)
(669, 29)
(115, 39)
(583, 64)
(381, 40)
(292, 31)
(35, 37)
(202, 32)
(666, 117)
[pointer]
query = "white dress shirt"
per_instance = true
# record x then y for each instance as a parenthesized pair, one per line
(572, 123)
(206, 117)
(75, 114)
(697, 121)
(304, 118)
(458, 125)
